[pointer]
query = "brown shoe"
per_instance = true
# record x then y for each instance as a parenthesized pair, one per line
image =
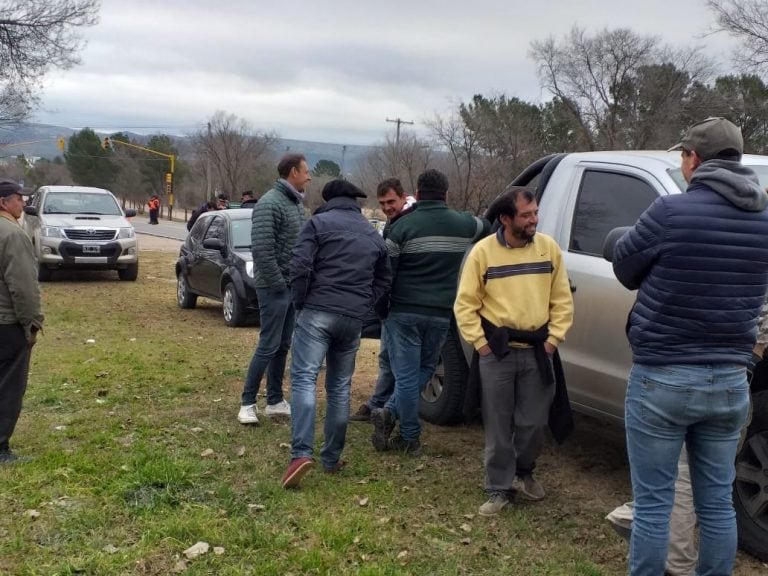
(336, 468)
(363, 414)
(297, 469)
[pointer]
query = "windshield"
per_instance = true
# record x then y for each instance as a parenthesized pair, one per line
(760, 169)
(81, 203)
(241, 234)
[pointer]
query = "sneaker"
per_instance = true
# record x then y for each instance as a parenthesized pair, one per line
(248, 414)
(621, 520)
(9, 457)
(383, 424)
(410, 447)
(529, 488)
(494, 505)
(363, 414)
(282, 408)
(297, 469)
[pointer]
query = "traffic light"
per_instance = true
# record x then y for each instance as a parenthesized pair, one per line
(107, 144)
(61, 143)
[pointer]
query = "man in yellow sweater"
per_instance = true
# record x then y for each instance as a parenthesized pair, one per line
(514, 306)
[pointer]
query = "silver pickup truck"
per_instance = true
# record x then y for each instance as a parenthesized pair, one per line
(582, 197)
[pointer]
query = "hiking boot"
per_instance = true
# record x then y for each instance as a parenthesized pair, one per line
(494, 505)
(529, 488)
(383, 424)
(282, 408)
(297, 469)
(363, 414)
(410, 447)
(248, 414)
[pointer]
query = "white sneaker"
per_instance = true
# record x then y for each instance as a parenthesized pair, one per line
(248, 414)
(282, 408)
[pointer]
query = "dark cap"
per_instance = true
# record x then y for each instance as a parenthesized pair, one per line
(336, 188)
(712, 137)
(9, 187)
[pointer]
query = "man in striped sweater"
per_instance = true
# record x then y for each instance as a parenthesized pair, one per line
(514, 306)
(425, 248)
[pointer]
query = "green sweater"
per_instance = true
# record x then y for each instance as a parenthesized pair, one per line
(277, 218)
(426, 247)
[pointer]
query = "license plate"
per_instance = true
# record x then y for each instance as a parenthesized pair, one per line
(91, 249)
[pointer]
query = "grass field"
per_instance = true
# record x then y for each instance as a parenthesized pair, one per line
(130, 417)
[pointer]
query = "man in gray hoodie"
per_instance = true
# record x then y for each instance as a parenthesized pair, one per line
(699, 261)
(20, 317)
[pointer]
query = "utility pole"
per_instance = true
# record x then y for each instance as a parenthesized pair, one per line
(398, 121)
(208, 168)
(343, 154)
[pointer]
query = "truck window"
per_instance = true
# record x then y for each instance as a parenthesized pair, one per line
(606, 200)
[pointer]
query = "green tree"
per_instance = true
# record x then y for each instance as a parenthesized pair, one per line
(327, 168)
(88, 162)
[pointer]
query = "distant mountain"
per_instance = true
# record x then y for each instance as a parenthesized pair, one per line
(39, 140)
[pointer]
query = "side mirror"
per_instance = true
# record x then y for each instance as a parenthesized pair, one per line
(31, 210)
(214, 244)
(609, 244)
(130, 213)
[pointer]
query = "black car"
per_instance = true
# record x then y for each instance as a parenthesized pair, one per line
(215, 262)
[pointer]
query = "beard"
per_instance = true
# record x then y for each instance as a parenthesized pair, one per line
(525, 234)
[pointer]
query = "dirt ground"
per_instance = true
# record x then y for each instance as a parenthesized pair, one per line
(585, 478)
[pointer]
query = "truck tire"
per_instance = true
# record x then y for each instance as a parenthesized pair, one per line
(130, 273)
(750, 490)
(44, 273)
(442, 400)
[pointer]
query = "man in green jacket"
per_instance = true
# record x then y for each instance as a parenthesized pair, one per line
(425, 249)
(275, 225)
(20, 317)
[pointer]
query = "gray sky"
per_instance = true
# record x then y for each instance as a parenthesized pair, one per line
(329, 71)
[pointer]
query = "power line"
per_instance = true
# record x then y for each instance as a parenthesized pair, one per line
(398, 121)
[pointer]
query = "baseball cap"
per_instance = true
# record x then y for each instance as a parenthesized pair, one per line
(711, 137)
(8, 188)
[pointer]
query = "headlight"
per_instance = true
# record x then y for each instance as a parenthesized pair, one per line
(125, 232)
(249, 268)
(52, 232)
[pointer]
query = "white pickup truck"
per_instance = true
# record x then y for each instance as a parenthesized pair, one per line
(582, 197)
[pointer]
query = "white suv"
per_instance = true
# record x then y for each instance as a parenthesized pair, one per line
(80, 227)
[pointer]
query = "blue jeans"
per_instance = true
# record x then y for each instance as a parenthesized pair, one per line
(277, 320)
(335, 338)
(414, 342)
(385, 383)
(704, 406)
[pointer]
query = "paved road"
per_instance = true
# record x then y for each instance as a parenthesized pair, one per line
(164, 229)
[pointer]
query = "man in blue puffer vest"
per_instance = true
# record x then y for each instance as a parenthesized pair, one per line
(700, 263)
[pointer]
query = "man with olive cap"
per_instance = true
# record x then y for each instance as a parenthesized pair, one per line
(339, 269)
(699, 261)
(20, 316)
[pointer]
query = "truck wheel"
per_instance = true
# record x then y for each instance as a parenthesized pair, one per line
(129, 273)
(44, 273)
(750, 490)
(233, 308)
(442, 401)
(184, 298)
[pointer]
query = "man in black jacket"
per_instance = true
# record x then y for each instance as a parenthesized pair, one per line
(339, 268)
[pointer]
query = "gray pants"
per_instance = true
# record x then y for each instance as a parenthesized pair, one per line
(515, 408)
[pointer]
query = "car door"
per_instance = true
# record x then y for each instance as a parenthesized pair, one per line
(212, 262)
(596, 355)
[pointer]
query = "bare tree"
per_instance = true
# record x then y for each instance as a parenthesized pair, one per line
(748, 21)
(595, 77)
(405, 160)
(237, 154)
(35, 36)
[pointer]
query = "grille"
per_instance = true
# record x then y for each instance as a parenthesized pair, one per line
(90, 233)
